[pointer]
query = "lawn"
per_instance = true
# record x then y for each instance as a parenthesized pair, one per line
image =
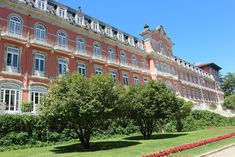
(129, 146)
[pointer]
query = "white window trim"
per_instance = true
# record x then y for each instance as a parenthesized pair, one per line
(85, 67)
(100, 71)
(61, 60)
(10, 68)
(38, 72)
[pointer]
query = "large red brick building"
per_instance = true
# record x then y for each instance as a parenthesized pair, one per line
(43, 39)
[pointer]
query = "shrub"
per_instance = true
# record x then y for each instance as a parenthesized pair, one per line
(27, 107)
(229, 102)
(213, 106)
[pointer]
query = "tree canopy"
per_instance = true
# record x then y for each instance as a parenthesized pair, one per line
(80, 103)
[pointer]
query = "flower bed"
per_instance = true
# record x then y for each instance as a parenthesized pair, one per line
(190, 145)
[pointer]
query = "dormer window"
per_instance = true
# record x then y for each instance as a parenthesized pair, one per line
(131, 41)
(41, 4)
(109, 31)
(120, 37)
(95, 26)
(79, 19)
(62, 12)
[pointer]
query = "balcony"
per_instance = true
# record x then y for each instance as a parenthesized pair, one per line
(114, 62)
(63, 49)
(40, 43)
(82, 53)
(125, 65)
(99, 58)
(18, 37)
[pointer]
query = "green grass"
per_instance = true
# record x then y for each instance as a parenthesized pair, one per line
(129, 146)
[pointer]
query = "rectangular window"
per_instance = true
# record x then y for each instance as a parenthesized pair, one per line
(98, 70)
(79, 19)
(95, 26)
(12, 59)
(125, 79)
(39, 62)
(41, 4)
(136, 80)
(62, 66)
(113, 73)
(62, 12)
(82, 69)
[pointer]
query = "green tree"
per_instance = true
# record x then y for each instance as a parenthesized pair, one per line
(81, 104)
(147, 104)
(229, 102)
(228, 84)
(180, 111)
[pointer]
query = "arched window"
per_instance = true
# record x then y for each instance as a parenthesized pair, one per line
(40, 33)
(15, 25)
(62, 39)
(169, 85)
(133, 61)
(123, 57)
(112, 54)
(143, 64)
(81, 45)
(37, 94)
(96, 50)
(10, 96)
(163, 51)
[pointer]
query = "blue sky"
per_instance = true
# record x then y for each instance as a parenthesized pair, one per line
(202, 30)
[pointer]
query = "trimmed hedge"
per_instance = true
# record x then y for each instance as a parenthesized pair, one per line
(200, 119)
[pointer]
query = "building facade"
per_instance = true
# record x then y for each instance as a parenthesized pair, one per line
(43, 39)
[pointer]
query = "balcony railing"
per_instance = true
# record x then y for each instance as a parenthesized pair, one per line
(99, 57)
(83, 53)
(22, 36)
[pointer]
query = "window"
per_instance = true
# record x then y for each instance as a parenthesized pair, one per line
(40, 33)
(12, 59)
(143, 64)
(62, 12)
(181, 75)
(79, 19)
(123, 57)
(95, 26)
(39, 69)
(145, 81)
(125, 79)
(120, 36)
(41, 4)
(131, 41)
(96, 50)
(169, 85)
(136, 80)
(133, 61)
(62, 40)
(108, 31)
(113, 73)
(98, 70)
(81, 45)
(15, 25)
(10, 96)
(37, 94)
(62, 66)
(163, 51)
(112, 55)
(82, 68)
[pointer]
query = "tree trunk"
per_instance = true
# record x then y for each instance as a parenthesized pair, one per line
(179, 125)
(84, 137)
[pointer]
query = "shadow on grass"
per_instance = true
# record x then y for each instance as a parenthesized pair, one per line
(95, 146)
(158, 136)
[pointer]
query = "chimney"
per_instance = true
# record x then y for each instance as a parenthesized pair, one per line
(146, 27)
